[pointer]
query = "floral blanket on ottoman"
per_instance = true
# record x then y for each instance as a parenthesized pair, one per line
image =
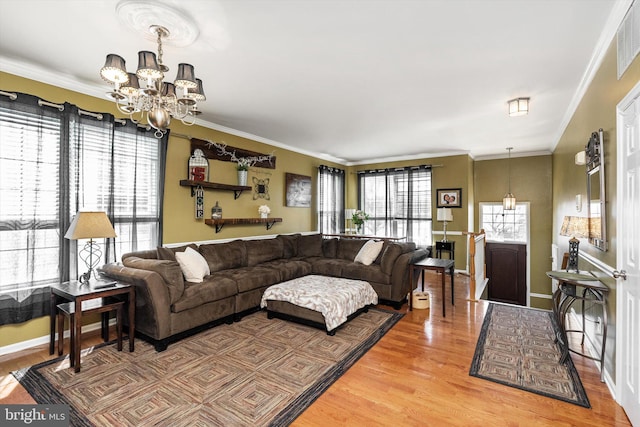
(336, 298)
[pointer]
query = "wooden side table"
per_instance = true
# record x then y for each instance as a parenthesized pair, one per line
(448, 246)
(440, 265)
(76, 292)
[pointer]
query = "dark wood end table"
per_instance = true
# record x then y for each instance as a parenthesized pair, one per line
(76, 292)
(440, 265)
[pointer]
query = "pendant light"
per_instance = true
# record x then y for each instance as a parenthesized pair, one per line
(509, 200)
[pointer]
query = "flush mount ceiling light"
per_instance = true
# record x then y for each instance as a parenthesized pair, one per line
(518, 107)
(145, 92)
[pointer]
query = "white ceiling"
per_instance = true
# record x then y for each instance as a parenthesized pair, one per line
(354, 81)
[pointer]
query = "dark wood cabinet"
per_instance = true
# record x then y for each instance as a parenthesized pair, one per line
(507, 272)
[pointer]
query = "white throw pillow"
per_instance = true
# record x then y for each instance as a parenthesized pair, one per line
(193, 265)
(369, 252)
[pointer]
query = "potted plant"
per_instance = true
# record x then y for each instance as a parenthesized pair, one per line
(242, 166)
(358, 218)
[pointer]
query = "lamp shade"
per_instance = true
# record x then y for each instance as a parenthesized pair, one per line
(148, 66)
(90, 225)
(575, 226)
(186, 76)
(444, 214)
(197, 93)
(114, 70)
(509, 202)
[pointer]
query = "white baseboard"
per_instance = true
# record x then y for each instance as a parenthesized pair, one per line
(23, 345)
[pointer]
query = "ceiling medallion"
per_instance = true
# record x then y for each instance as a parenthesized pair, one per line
(141, 15)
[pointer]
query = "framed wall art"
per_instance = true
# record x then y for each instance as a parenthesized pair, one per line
(449, 197)
(298, 190)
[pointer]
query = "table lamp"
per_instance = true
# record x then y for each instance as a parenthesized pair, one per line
(90, 225)
(348, 216)
(444, 215)
(576, 227)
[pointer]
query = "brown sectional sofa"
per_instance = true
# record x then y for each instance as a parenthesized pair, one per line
(168, 307)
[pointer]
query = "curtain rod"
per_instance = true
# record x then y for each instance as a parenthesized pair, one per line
(11, 96)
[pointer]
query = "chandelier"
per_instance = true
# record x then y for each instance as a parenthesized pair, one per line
(146, 93)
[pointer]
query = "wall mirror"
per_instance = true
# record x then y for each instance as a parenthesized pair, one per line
(595, 191)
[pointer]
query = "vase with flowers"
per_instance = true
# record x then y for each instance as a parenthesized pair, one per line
(242, 166)
(264, 211)
(358, 219)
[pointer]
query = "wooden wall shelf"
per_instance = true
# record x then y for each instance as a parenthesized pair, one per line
(219, 223)
(237, 189)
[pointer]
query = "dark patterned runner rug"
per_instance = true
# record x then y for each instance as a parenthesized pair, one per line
(516, 348)
(255, 372)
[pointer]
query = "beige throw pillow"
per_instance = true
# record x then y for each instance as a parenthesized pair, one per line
(193, 265)
(369, 252)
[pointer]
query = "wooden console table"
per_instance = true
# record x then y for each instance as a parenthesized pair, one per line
(585, 288)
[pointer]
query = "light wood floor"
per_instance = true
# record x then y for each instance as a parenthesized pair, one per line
(417, 375)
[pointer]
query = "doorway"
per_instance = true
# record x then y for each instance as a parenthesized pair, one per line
(506, 252)
(506, 265)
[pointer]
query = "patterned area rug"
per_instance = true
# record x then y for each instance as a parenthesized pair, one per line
(516, 347)
(255, 372)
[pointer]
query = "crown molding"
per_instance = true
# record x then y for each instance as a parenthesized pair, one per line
(609, 31)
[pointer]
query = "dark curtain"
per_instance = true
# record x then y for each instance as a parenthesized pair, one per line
(331, 200)
(56, 160)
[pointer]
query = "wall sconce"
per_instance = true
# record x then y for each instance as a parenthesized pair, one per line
(581, 158)
(518, 107)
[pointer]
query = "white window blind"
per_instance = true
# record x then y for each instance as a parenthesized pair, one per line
(29, 199)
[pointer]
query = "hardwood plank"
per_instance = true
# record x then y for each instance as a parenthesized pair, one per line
(417, 375)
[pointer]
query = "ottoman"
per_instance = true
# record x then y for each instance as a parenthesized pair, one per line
(320, 301)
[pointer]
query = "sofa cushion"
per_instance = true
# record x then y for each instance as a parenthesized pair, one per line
(289, 268)
(389, 257)
(251, 278)
(170, 253)
(223, 256)
(170, 272)
(211, 289)
(349, 248)
(330, 247)
(193, 265)
(369, 252)
(289, 245)
(327, 266)
(259, 251)
(310, 245)
(368, 273)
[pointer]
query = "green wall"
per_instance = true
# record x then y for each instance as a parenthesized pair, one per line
(531, 181)
(596, 110)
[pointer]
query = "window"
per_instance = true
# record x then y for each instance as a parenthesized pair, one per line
(54, 161)
(398, 202)
(505, 226)
(331, 200)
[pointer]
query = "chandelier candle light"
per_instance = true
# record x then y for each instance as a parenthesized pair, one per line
(160, 100)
